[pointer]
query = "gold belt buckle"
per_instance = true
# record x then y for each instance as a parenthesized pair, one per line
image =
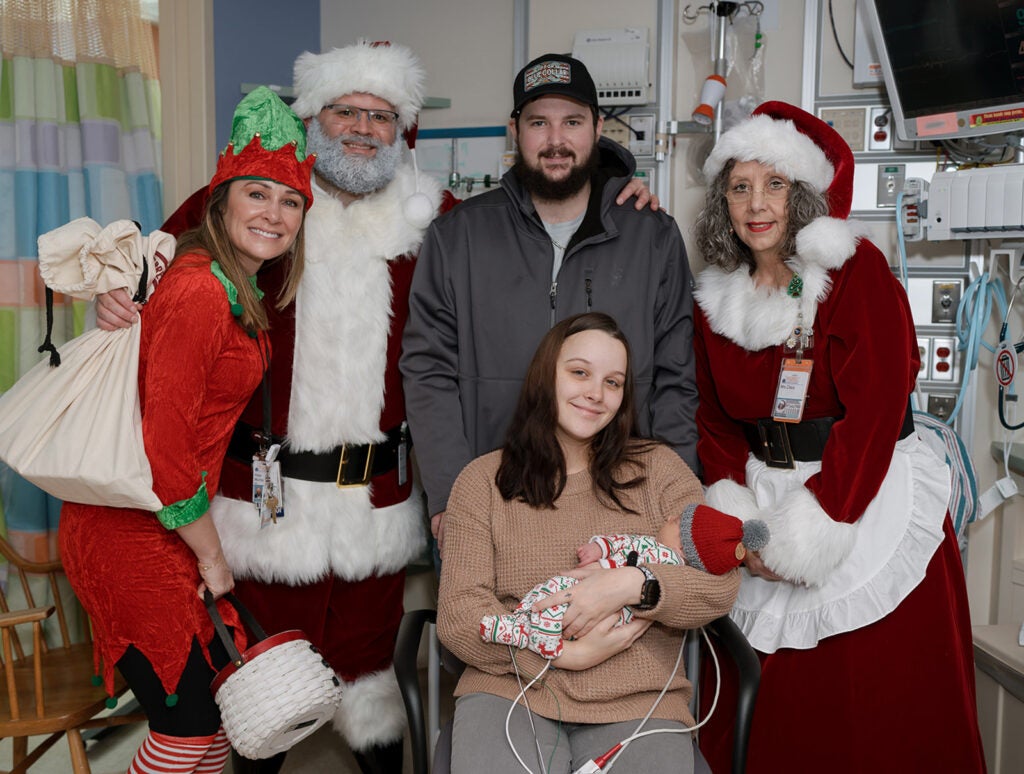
(343, 461)
(774, 456)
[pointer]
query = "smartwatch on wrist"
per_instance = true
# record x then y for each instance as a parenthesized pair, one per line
(650, 592)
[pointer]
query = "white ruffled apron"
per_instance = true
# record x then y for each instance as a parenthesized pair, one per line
(896, 538)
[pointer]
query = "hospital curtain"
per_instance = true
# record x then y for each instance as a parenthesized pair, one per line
(79, 137)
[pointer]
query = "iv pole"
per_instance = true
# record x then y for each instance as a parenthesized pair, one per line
(708, 112)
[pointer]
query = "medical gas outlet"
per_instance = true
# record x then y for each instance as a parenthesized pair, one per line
(945, 301)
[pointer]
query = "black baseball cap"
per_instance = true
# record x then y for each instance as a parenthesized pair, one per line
(554, 74)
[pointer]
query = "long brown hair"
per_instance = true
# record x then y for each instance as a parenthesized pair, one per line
(532, 465)
(211, 237)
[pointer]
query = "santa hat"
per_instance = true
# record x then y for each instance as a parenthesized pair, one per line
(716, 542)
(272, 140)
(799, 146)
(386, 70)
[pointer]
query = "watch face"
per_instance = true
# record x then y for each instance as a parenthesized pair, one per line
(650, 593)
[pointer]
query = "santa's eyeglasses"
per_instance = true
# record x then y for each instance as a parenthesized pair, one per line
(349, 114)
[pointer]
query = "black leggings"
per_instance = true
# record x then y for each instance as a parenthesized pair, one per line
(195, 713)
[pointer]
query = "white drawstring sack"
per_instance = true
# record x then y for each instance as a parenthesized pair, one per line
(72, 424)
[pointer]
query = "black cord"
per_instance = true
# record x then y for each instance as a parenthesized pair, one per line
(47, 345)
(835, 35)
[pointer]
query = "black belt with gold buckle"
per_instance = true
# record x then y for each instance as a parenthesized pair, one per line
(783, 444)
(348, 465)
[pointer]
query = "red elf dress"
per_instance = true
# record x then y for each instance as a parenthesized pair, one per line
(136, 578)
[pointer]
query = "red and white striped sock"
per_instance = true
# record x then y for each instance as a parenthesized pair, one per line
(216, 756)
(162, 754)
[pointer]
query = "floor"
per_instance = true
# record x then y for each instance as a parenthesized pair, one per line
(322, 752)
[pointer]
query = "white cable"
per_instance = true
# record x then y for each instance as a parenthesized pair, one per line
(917, 397)
(714, 703)
(529, 713)
(901, 245)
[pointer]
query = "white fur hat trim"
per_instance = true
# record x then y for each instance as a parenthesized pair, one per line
(777, 143)
(389, 71)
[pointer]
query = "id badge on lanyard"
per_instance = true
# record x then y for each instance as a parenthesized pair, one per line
(267, 492)
(791, 393)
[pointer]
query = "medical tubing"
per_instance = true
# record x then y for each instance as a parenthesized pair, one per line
(971, 317)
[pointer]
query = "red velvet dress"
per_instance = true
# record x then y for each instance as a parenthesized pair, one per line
(135, 578)
(892, 695)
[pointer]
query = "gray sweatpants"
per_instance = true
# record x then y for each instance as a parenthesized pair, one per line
(479, 743)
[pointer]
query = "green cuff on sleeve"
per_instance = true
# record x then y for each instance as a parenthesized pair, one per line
(185, 511)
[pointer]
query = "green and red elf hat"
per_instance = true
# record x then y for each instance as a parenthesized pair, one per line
(273, 143)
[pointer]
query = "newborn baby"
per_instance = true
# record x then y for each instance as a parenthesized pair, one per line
(701, 537)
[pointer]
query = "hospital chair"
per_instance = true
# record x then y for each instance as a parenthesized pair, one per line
(49, 690)
(722, 630)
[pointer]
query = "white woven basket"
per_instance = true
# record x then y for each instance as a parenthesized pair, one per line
(275, 694)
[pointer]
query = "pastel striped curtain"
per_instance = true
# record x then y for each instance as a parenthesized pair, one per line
(79, 136)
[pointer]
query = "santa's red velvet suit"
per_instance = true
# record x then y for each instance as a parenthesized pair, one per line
(333, 566)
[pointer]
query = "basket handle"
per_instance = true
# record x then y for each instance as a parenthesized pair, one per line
(222, 630)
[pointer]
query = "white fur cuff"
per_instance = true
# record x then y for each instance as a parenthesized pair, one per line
(806, 545)
(729, 497)
(371, 712)
(829, 242)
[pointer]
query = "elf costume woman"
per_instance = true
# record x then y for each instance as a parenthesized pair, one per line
(204, 349)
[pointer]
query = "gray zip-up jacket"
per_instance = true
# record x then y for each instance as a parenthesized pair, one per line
(482, 298)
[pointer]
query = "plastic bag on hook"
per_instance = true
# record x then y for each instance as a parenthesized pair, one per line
(744, 53)
(744, 56)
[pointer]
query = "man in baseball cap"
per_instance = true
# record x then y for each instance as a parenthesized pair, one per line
(554, 74)
(496, 273)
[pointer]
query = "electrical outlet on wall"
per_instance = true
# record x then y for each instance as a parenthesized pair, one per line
(617, 131)
(924, 351)
(943, 360)
(641, 135)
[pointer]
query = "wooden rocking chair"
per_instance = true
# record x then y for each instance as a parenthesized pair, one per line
(48, 690)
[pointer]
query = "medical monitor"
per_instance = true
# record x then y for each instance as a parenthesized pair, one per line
(952, 68)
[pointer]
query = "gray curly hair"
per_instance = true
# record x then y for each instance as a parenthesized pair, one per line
(720, 246)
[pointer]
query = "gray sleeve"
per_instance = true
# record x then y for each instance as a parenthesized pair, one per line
(430, 368)
(674, 391)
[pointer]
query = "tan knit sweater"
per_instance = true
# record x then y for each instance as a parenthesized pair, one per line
(496, 551)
